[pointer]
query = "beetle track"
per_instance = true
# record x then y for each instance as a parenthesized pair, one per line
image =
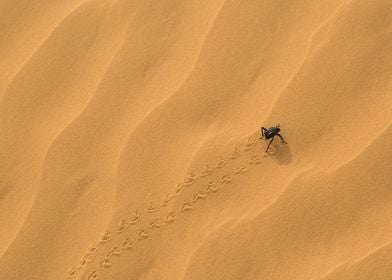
(207, 171)
(235, 154)
(106, 263)
(191, 178)
(105, 237)
(250, 143)
(93, 275)
(241, 170)
(151, 208)
(128, 244)
(254, 160)
(199, 195)
(221, 162)
(72, 272)
(123, 226)
(188, 207)
(211, 187)
(115, 251)
(170, 217)
(226, 179)
(86, 259)
(155, 224)
(167, 198)
(143, 234)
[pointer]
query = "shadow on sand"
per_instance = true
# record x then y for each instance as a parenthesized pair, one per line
(281, 154)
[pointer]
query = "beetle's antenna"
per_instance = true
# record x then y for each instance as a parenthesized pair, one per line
(278, 125)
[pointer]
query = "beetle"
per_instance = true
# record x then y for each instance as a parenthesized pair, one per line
(270, 133)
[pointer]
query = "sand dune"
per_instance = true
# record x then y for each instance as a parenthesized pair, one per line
(130, 140)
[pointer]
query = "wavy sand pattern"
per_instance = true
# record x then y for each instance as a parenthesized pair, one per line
(130, 140)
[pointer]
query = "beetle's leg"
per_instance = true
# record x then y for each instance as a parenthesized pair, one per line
(263, 129)
(283, 141)
(269, 144)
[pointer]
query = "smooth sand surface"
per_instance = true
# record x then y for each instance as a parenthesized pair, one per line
(130, 140)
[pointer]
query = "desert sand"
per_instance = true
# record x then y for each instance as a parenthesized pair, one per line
(130, 140)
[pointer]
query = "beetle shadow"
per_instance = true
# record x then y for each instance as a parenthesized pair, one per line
(282, 154)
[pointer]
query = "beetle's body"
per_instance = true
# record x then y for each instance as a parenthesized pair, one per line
(270, 133)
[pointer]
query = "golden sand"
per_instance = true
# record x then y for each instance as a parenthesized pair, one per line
(130, 140)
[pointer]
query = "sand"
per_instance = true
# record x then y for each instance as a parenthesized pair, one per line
(130, 140)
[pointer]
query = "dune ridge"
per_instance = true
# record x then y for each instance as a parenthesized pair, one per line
(348, 271)
(10, 23)
(54, 125)
(130, 140)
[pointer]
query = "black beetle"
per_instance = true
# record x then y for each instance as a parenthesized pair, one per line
(271, 133)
